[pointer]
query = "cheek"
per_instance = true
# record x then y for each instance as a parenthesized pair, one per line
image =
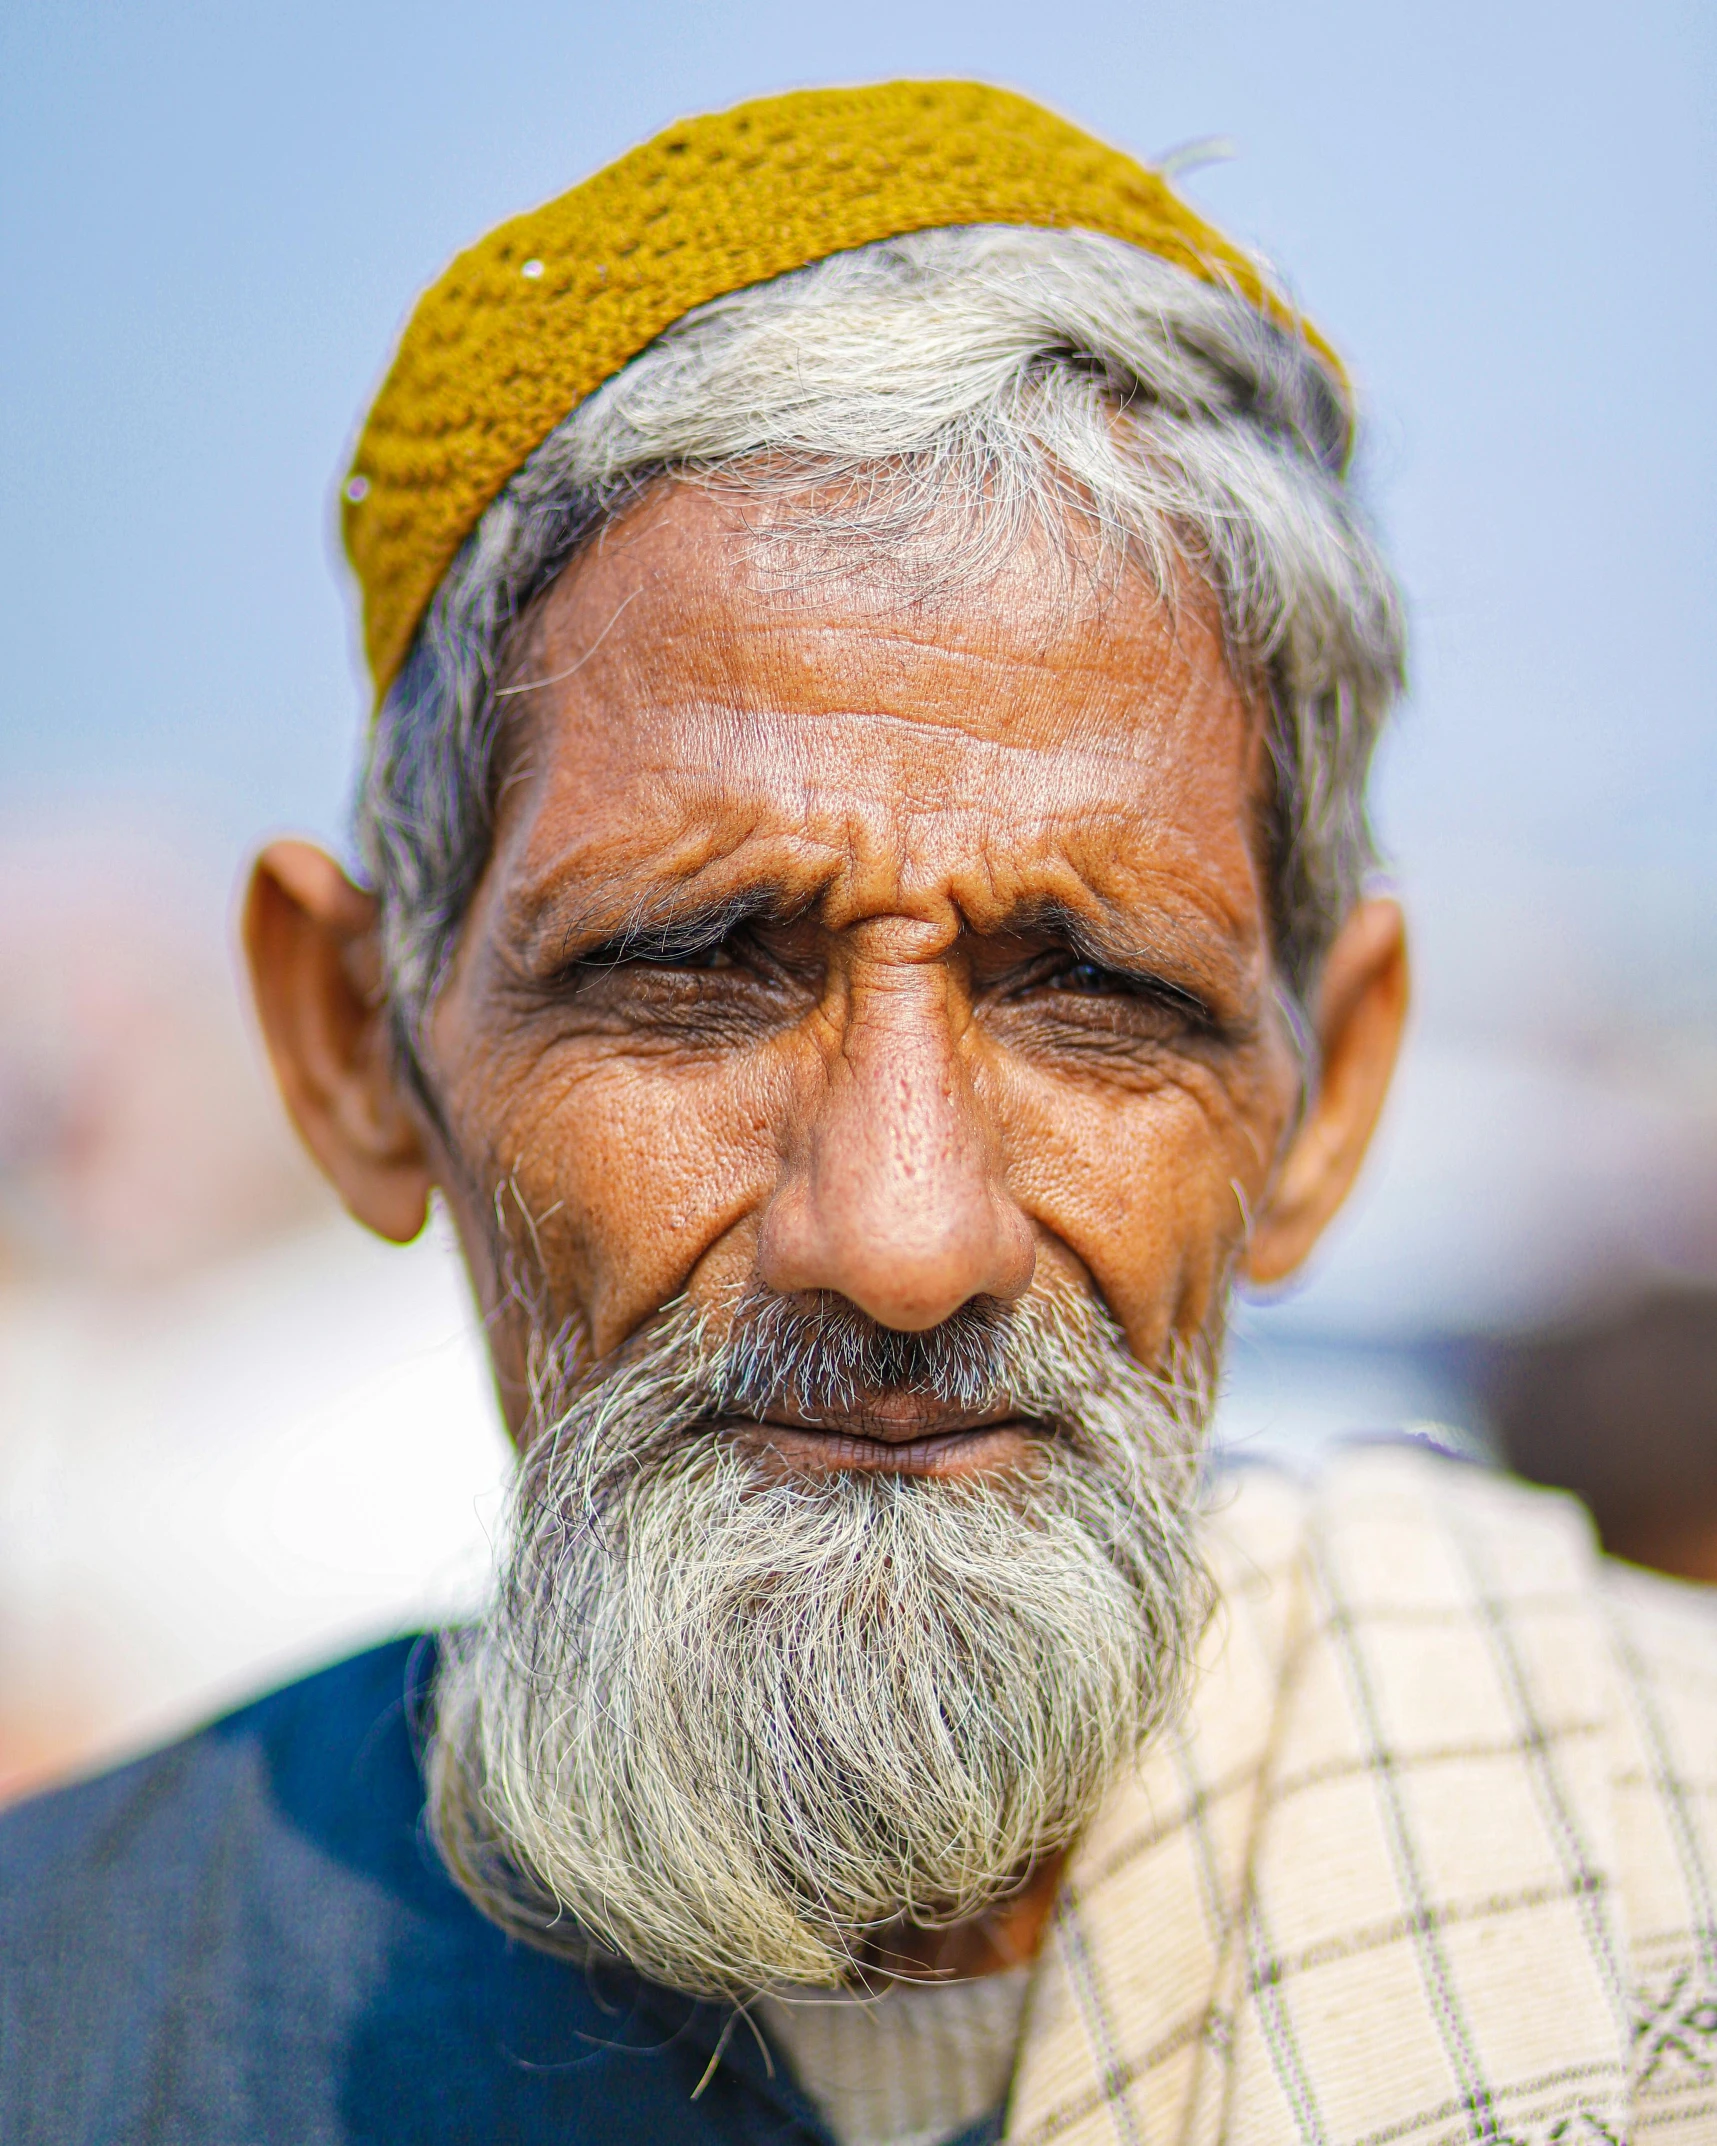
(1139, 1185)
(630, 1169)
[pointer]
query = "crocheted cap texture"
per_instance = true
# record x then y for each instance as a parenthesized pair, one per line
(528, 321)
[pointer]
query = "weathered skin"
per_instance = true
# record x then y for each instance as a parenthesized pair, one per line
(902, 1081)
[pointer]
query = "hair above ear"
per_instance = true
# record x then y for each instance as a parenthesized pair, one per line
(1361, 1015)
(311, 939)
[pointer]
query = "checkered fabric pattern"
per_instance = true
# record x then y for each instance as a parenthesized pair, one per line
(1431, 1859)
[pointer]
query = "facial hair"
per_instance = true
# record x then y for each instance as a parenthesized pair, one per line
(727, 1721)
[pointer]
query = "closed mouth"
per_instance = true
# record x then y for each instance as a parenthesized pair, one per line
(866, 1445)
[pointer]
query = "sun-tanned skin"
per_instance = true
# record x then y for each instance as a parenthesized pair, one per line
(949, 968)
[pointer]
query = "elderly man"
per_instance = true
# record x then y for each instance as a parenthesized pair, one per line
(864, 925)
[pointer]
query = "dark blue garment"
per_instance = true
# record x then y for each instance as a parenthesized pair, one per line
(247, 1939)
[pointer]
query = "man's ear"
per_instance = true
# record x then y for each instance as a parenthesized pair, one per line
(1361, 1012)
(315, 966)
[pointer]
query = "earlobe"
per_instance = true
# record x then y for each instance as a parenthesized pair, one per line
(1362, 1012)
(310, 937)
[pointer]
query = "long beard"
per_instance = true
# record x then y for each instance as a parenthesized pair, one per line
(728, 1723)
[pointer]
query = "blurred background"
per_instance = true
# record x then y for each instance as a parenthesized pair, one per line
(236, 1437)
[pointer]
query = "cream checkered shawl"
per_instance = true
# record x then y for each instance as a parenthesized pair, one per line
(1431, 1859)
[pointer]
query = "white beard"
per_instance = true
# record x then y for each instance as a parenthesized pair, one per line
(725, 1723)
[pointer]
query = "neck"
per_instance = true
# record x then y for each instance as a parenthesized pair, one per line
(1005, 1936)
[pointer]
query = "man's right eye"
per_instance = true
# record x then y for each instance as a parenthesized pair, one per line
(663, 952)
(720, 956)
(1088, 979)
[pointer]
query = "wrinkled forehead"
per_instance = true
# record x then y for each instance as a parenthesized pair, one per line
(703, 697)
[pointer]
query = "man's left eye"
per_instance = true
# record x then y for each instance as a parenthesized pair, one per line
(1090, 979)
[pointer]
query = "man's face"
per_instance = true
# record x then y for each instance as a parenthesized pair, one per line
(860, 1070)
(905, 952)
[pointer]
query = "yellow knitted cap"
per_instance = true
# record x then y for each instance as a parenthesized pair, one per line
(528, 321)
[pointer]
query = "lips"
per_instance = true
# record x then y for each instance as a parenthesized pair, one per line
(892, 1440)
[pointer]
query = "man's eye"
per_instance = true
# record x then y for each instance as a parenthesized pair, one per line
(664, 954)
(1088, 979)
(720, 956)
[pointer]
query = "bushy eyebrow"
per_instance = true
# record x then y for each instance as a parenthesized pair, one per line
(1116, 951)
(662, 932)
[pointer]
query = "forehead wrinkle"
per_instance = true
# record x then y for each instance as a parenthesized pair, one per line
(799, 771)
(989, 644)
(910, 722)
(708, 629)
(802, 693)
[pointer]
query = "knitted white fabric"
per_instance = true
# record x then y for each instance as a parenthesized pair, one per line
(910, 2068)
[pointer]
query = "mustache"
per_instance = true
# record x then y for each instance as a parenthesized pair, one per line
(821, 1353)
(816, 1352)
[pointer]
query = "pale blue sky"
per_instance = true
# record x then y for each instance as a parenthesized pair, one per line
(214, 217)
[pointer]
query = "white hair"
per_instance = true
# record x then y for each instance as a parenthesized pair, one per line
(729, 1724)
(1027, 379)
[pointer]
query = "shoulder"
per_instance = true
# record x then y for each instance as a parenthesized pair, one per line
(1467, 1625)
(1403, 1517)
(1489, 1729)
(248, 1936)
(1667, 1628)
(147, 1827)
(1393, 1526)
(250, 1869)
(1456, 1594)
(1404, 1480)
(1393, 1533)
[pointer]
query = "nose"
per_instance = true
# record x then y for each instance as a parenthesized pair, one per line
(893, 1196)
